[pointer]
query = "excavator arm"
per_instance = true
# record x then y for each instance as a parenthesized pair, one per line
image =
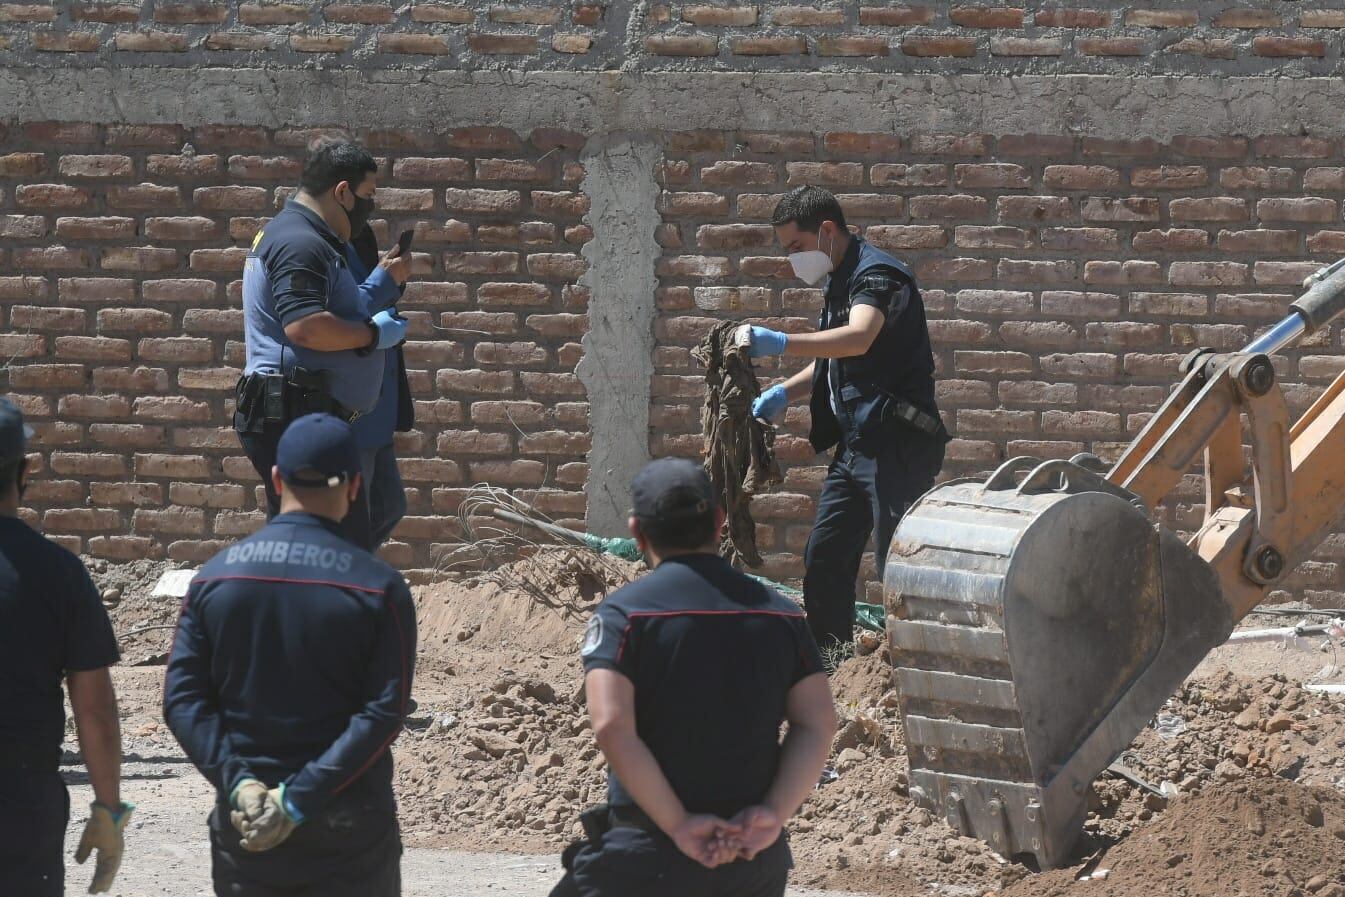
(1039, 618)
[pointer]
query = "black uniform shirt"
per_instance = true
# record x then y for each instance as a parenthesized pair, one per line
(712, 654)
(52, 622)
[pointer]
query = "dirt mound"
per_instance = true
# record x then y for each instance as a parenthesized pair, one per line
(540, 603)
(143, 623)
(1262, 835)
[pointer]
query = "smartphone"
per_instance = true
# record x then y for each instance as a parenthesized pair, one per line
(404, 242)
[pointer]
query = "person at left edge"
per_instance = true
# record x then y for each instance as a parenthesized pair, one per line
(313, 344)
(383, 283)
(52, 627)
(288, 682)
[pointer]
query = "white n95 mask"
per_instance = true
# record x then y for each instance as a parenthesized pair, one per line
(811, 266)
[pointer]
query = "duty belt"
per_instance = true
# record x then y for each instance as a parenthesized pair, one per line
(900, 408)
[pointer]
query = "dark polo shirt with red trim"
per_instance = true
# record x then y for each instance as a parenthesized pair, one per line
(292, 663)
(712, 654)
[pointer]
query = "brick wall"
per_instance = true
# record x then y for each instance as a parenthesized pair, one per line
(1301, 38)
(120, 255)
(1064, 278)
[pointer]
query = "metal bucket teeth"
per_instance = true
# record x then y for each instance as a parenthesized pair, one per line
(1032, 640)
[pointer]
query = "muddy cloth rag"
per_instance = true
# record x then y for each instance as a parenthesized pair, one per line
(739, 452)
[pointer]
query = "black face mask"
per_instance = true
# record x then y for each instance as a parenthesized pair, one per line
(358, 215)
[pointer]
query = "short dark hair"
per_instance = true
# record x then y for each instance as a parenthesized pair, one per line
(10, 473)
(332, 160)
(679, 534)
(808, 207)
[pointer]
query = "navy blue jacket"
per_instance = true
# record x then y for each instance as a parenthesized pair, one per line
(292, 663)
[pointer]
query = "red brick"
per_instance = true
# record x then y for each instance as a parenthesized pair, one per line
(955, 270)
(1304, 209)
(1079, 364)
(1154, 18)
(986, 16)
(1168, 177)
(1085, 239)
(1283, 145)
(1288, 47)
(1206, 274)
(807, 16)
(1206, 47)
(174, 520)
(192, 13)
(429, 470)
(446, 13)
(144, 196)
(128, 436)
(152, 42)
(960, 206)
(993, 237)
(1247, 18)
(892, 237)
(29, 317)
(1171, 240)
(895, 16)
(27, 12)
(1096, 146)
(134, 320)
(1321, 18)
(1026, 46)
(139, 379)
(992, 175)
(769, 46)
(321, 43)
(51, 258)
(51, 196)
(1117, 46)
(22, 227)
(221, 260)
(91, 348)
(951, 144)
(852, 46)
(938, 46)
(65, 41)
(195, 292)
(1122, 273)
(502, 44)
(95, 228)
(1251, 178)
(484, 201)
(1130, 208)
(1278, 242)
(1072, 304)
(414, 44)
(80, 520)
(358, 14)
(170, 408)
(509, 473)
(139, 258)
(48, 376)
(1282, 273)
(24, 165)
(224, 40)
(87, 464)
(1034, 208)
(1213, 208)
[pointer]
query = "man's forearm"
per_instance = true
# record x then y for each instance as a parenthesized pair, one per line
(841, 342)
(802, 757)
(639, 772)
(325, 332)
(799, 385)
(95, 709)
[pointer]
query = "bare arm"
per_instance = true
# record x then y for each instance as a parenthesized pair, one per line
(611, 707)
(848, 341)
(325, 332)
(799, 385)
(812, 726)
(95, 705)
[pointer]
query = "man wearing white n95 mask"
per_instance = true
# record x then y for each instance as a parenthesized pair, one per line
(871, 388)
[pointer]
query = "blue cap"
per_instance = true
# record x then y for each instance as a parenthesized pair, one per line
(14, 433)
(318, 450)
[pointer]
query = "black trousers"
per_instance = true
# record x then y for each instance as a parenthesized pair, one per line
(34, 811)
(353, 849)
(630, 862)
(260, 449)
(862, 495)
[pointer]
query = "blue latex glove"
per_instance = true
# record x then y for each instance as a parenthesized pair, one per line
(391, 329)
(770, 403)
(766, 342)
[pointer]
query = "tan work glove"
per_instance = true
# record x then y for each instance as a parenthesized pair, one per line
(103, 833)
(272, 826)
(249, 800)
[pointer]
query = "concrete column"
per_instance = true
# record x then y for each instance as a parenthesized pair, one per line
(618, 363)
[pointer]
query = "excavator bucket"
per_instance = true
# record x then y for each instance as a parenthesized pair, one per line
(1037, 623)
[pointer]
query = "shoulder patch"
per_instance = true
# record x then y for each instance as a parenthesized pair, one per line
(257, 239)
(877, 283)
(592, 636)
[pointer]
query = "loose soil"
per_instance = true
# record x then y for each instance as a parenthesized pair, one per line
(499, 756)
